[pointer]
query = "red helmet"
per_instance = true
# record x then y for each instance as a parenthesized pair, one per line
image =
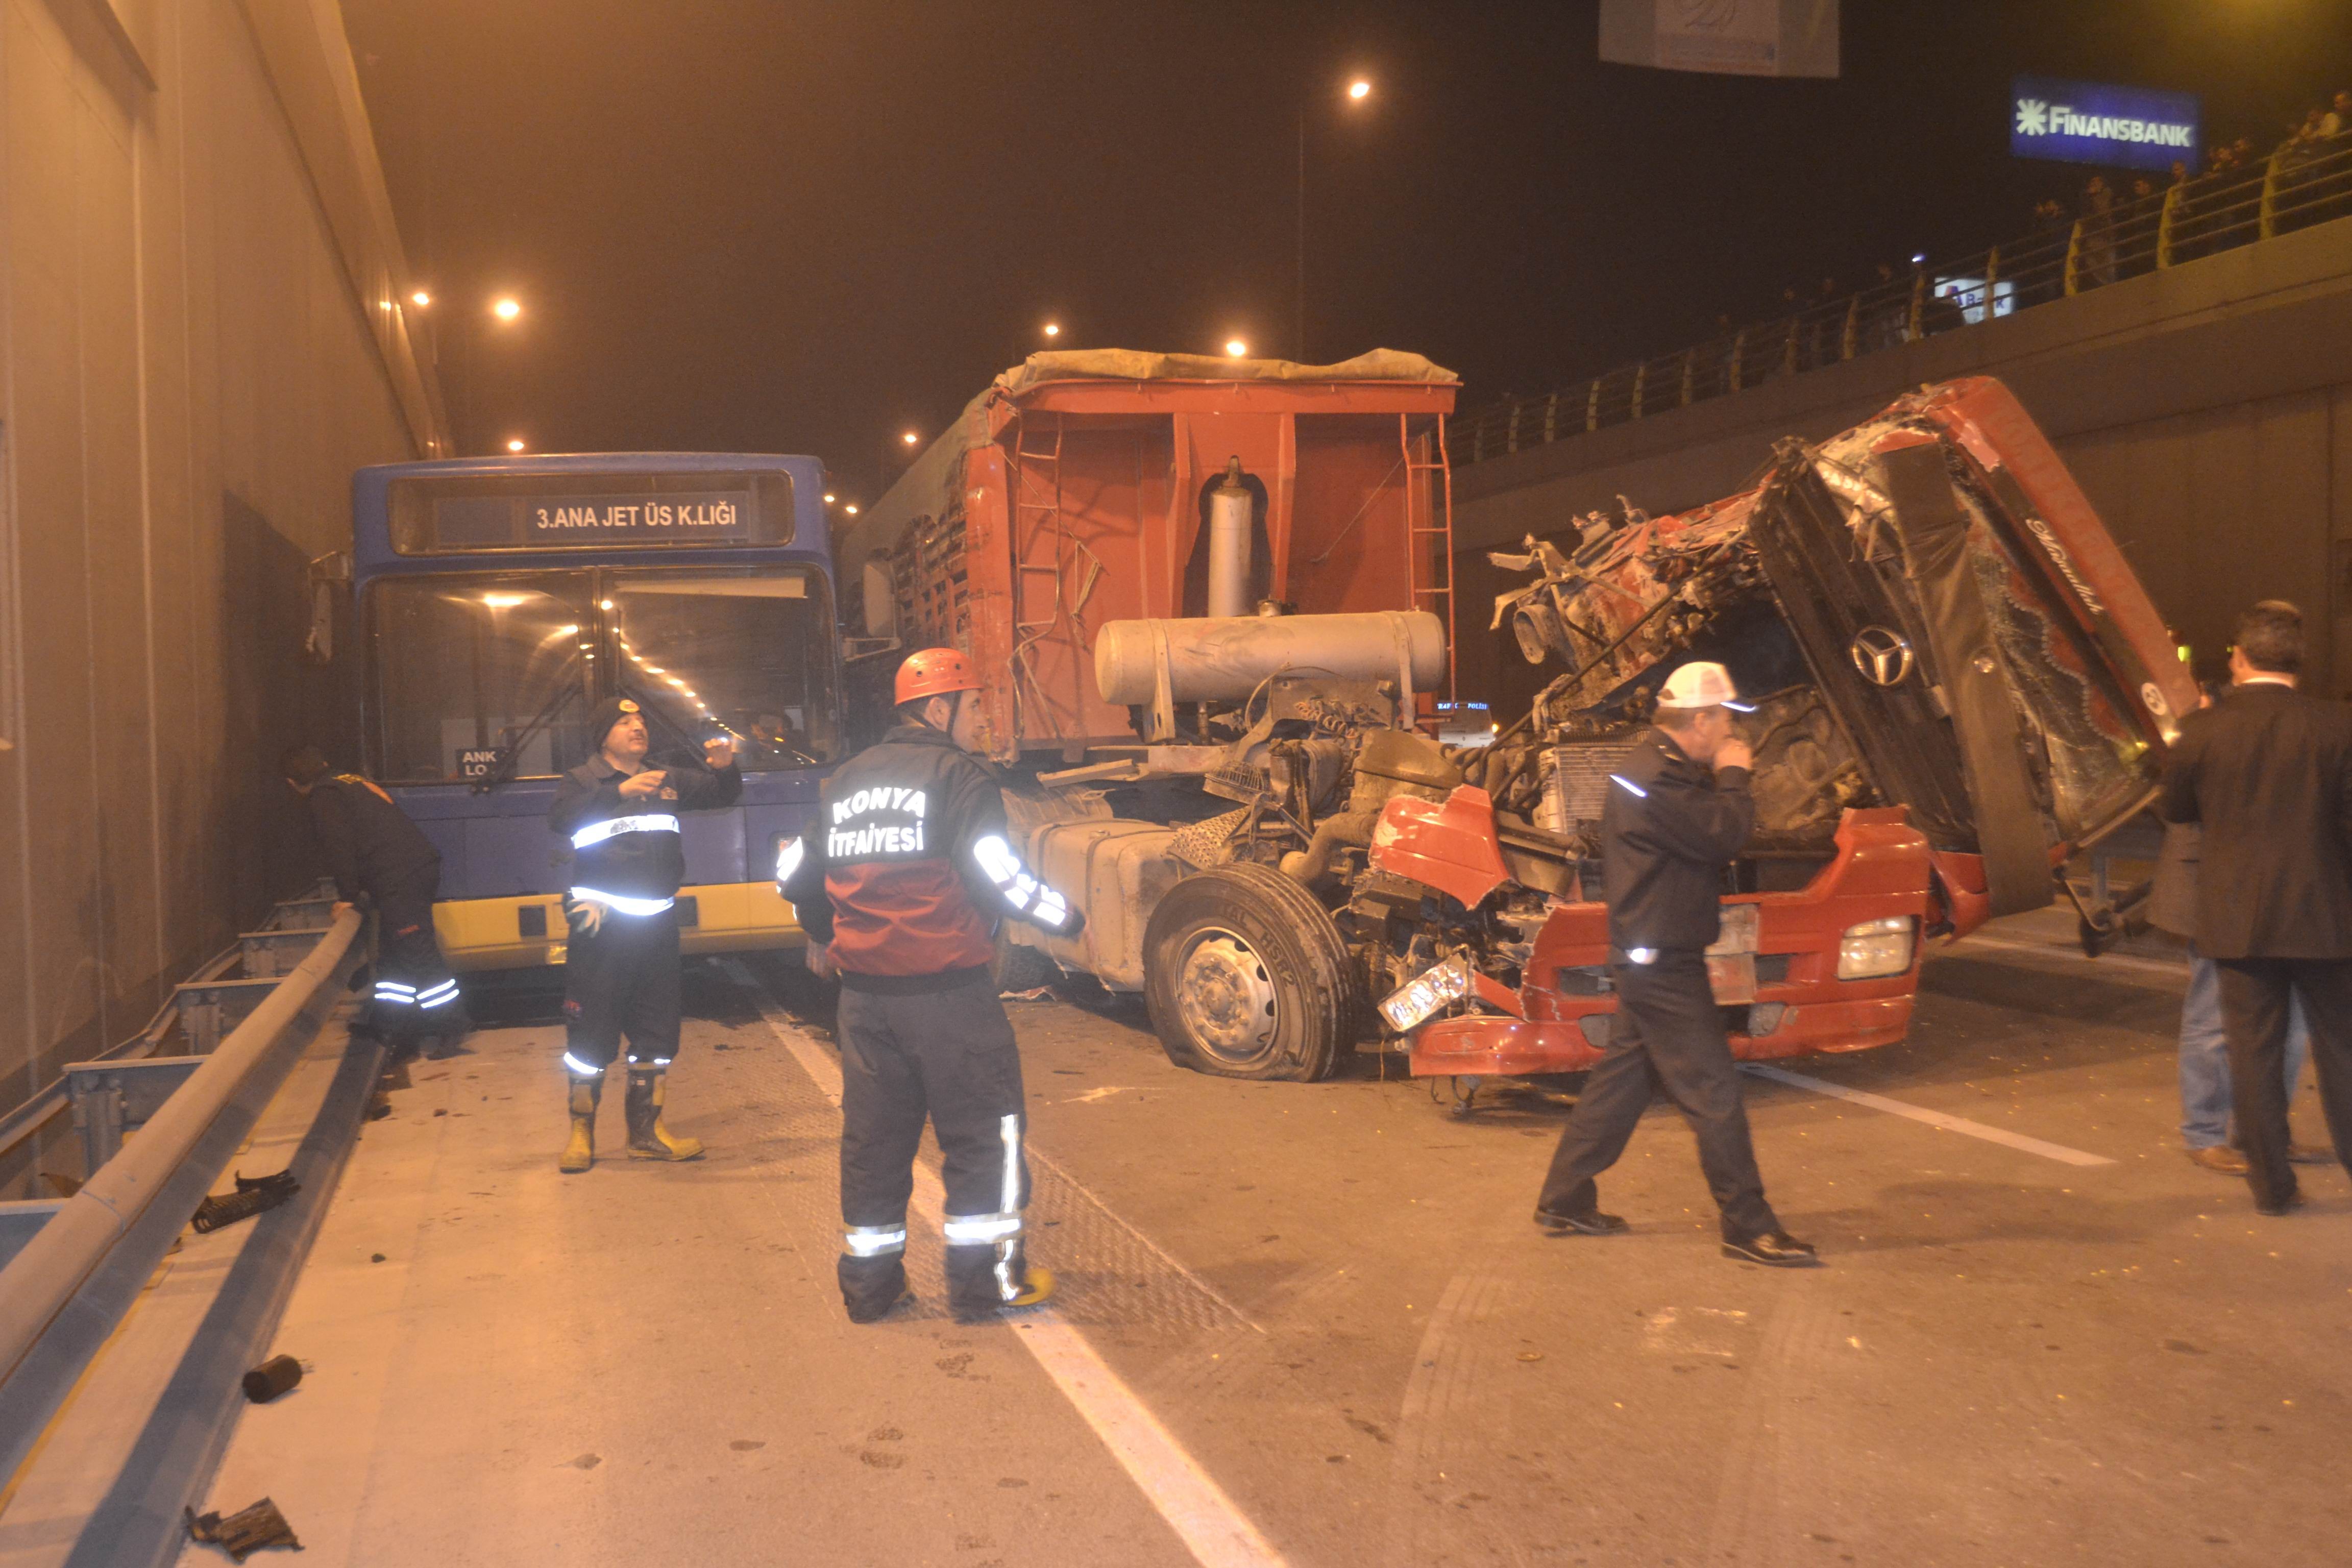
(936, 672)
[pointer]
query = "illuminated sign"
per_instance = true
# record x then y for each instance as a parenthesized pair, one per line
(2099, 122)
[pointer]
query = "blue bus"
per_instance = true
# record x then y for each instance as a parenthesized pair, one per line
(499, 599)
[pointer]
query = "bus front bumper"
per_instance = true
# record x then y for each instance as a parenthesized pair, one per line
(522, 932)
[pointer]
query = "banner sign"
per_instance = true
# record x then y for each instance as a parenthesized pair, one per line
(588, 522)
(1737, 37)
(2099, 122)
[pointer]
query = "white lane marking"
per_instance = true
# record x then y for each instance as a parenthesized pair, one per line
(2176, 971)
(1212, 1528)
(2058, 1152)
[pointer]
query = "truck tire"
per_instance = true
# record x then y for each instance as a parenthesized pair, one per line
(1247, 977)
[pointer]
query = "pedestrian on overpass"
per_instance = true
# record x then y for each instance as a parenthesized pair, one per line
(2267, 772)
(621, 963)
(900, 883)
(1668, 828)
(381, 859)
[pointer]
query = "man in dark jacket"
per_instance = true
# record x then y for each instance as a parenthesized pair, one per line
(621, 964)
(2207, 1128)
(2268, 773)
(377, 857)
(1667, 830)
(900, 883)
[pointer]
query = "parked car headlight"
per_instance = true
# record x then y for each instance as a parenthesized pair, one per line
(1874, 948)
(1434, 988)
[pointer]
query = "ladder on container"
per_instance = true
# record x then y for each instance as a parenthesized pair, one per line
(1429, 553)
(1044, 524)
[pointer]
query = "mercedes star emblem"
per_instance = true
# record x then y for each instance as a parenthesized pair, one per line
(1883, 657)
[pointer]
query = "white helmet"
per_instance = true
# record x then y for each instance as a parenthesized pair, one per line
(1701, 684)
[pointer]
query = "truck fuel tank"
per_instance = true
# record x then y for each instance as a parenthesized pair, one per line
(1223, 658)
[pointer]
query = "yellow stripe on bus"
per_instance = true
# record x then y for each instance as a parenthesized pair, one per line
(730, 917)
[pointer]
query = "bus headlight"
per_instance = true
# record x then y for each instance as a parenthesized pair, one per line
(1412, 1002)
(1876, 948)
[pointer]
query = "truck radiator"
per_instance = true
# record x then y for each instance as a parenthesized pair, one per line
(1576, 783)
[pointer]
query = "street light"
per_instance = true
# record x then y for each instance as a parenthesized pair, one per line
(515, 445)
(1053, 329)
(1359, 91)
(851, 509)
(506, 309)
(420, 298)
(1235, 348)
(828, 497)
(909, 438)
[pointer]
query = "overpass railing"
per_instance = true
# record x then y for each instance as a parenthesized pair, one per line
(2301, 184)
(71, 1267)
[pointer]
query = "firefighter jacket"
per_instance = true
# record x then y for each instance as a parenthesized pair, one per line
(629, 852)
(368, 844)
(909, 866)
(1666, 833)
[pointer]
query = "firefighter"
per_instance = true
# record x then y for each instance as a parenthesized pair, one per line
(378, 856)
(1667, 830)
(900, 883)
(621, 967)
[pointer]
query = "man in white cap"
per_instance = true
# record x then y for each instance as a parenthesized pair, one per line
(1666, 833)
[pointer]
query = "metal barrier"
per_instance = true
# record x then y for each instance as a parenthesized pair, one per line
(83, 1260)
(2301, 184)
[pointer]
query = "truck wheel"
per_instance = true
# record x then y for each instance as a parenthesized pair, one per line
(1247, 977)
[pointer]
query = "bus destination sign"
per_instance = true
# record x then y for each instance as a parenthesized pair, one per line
(587, 521)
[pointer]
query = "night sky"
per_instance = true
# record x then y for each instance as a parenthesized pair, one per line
(777, 225)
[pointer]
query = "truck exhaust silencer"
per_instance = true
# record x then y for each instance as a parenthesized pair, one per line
(1232, 518)
(1223, 658)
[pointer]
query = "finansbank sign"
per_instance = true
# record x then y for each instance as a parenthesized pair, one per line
(2099, 122)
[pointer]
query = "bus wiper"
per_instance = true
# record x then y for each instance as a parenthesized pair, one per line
(510, 756)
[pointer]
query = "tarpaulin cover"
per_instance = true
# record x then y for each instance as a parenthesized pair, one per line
(1139, 364)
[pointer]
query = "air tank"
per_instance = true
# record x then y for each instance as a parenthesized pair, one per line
(1232, 519)
(1224, 657)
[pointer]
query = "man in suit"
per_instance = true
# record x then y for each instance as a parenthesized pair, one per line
(2268, 773)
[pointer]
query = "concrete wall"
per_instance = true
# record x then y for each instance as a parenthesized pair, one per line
(2206, 409)
(197, 345)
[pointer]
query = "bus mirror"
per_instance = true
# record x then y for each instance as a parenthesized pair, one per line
(325, 574)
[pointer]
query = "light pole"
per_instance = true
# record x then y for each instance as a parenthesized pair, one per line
(504, 311)
(1359, 89)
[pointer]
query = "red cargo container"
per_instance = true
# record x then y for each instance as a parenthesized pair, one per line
(1072, 491)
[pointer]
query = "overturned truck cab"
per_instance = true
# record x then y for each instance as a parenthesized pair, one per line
(1959, 683)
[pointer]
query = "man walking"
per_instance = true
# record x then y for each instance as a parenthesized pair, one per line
(1667, 831)
(377, 857)
(2267, 772)
(900, 883)
(2206, 1125)
(621, 964)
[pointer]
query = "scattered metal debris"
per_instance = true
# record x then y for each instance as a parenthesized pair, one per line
(272, 1378)
(242, 1535)
(253, 1196)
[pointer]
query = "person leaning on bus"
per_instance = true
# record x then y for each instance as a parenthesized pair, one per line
(621, 967)
(378, 856)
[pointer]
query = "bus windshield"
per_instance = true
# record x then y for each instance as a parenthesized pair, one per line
(469, 668)
(740, 653)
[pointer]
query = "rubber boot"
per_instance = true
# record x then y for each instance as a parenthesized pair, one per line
(579, 1150)
(648, 1139)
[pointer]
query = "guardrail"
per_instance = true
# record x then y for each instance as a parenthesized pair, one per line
(2299, 186)
(80, 1261)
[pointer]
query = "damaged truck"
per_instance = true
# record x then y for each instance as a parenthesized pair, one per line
(1218, 597)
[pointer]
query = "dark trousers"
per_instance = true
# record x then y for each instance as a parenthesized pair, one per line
(415, 995)
(623, 981)
(2254, 999)
(1667, 1036)
(946, 1055)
